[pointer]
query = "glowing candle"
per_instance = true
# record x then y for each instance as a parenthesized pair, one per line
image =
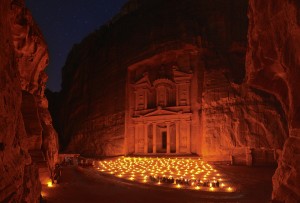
(229, 189)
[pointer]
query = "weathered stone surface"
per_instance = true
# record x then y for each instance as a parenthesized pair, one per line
(273, 65)
(274, 45)
(32, 123)
(92, 117)
(31, 185)
(237, 118)
(241, 118)
(32, 58)
(23, 56)
(286, 186)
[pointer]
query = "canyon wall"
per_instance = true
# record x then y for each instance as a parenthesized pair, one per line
(25, 123)
(273, 65)
(248, 114)
(240, 124)
(237, 123)
(92, 116)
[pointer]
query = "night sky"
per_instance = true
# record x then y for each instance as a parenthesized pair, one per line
(66, 22)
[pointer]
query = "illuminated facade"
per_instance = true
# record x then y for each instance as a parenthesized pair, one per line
(159, 116)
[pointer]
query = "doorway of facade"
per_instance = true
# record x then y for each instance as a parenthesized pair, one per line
(164, 140)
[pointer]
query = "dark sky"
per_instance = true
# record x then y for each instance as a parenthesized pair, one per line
(66, 22)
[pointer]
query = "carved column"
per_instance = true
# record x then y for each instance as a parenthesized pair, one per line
(188, 137)
(188, 94)
(145, 99)
(154, 137)
(177, 95)
(168, 137)
(135, 100)
(177, 136)
(136, 138)
(146, 138)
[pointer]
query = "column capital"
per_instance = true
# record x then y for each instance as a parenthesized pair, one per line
(168, 138)
(168, 122)
(146, 138)
(154, 137)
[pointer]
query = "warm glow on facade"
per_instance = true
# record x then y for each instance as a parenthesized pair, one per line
(160, 112)
(186, 173)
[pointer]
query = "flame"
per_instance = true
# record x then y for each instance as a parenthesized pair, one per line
(229, 189)
(49, 184)
(194, 172)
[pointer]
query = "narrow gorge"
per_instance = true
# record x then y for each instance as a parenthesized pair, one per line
(212, 79)
(28, 141)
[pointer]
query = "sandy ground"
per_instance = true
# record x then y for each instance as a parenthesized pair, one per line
(88, 185)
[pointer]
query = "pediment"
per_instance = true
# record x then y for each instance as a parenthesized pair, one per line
(143, 80)
(178, 75)
(161, 112)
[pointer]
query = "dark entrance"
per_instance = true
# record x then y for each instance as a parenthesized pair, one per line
(164, 140)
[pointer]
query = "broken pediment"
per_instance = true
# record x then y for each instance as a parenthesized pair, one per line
(180, 76)
(161, 112)
(144, 81)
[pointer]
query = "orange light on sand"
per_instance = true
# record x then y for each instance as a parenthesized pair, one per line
(192, 173)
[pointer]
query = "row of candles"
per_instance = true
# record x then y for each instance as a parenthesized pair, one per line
(187, 182)
(188, 173)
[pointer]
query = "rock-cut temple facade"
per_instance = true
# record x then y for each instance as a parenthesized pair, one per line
(160, 118)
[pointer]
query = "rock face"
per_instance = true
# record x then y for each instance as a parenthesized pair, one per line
(25, 123)
(93, 109)
(273, 65)
(245, 114)
(230, 121)
(240, 124)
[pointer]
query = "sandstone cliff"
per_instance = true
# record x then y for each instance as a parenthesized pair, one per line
(25, 123)
(249, 114)
(234, 118)
(240, 123)
(273, 65)
(94, 77)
